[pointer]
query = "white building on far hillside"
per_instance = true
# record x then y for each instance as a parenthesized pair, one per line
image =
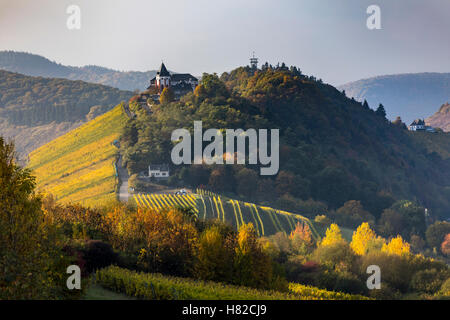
(419, 125)
(158, 171)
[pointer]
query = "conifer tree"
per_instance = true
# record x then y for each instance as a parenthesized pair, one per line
(381, 111)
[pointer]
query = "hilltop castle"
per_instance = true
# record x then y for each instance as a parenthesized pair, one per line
(180, 83)
(419, 125)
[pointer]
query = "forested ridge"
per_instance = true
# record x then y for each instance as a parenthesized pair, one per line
(32, 101)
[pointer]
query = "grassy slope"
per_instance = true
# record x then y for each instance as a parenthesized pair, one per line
(79, 166)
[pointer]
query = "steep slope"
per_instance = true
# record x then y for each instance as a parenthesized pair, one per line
(440, 119)
(80, 165)
(410, 96)
(35, 65)
(35, 110)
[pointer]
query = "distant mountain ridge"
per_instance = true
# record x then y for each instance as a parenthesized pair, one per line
(441, 119)
(411, 96)
(36, 65)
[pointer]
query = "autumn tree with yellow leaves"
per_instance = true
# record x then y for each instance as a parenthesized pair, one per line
(396, 246)
(334, 252)
(362, 238)
(252, 267)
(333, 235)
(214, 256)
(30, 247)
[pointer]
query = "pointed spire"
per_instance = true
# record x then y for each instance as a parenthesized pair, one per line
(163, 71)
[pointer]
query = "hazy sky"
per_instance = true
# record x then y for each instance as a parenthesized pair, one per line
(326, 38)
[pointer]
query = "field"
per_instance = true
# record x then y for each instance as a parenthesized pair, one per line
(267, 221)
(79, 166)
(159, 287)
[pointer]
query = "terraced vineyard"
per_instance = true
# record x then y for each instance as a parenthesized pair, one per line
(207, 205)
(79, 166)
(161, 201)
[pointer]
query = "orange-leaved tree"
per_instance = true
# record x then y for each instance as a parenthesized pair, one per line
(445, 246)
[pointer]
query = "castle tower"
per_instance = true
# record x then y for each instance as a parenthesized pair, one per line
(162, 78)
(254, 62)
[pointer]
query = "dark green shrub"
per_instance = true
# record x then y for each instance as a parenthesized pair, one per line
(428, 281)
(98, 254)
(349, 283)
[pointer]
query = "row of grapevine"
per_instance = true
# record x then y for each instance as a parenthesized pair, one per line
(159, 287)
(204, 192)
(267, 221)
(166, 200)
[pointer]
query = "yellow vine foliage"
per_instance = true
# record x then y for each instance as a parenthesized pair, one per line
(79, 166)
(362, 238)
(333, 235)
(396, 246)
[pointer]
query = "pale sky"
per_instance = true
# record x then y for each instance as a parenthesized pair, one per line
(326, 38)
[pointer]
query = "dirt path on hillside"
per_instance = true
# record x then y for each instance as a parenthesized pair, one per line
(123, 177)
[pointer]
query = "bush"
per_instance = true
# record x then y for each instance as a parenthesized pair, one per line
(396, 271)
(347, 282)
(385, 293)
(338, 256)
(428, 281)
(445, 288)
(436, 233)
(98, 254)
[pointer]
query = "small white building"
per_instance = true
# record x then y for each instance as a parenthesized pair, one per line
(160, 171)
(417, 125)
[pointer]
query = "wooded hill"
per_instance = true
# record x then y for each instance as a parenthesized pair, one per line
(333, 149)
(31, 101)
(35, 110)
